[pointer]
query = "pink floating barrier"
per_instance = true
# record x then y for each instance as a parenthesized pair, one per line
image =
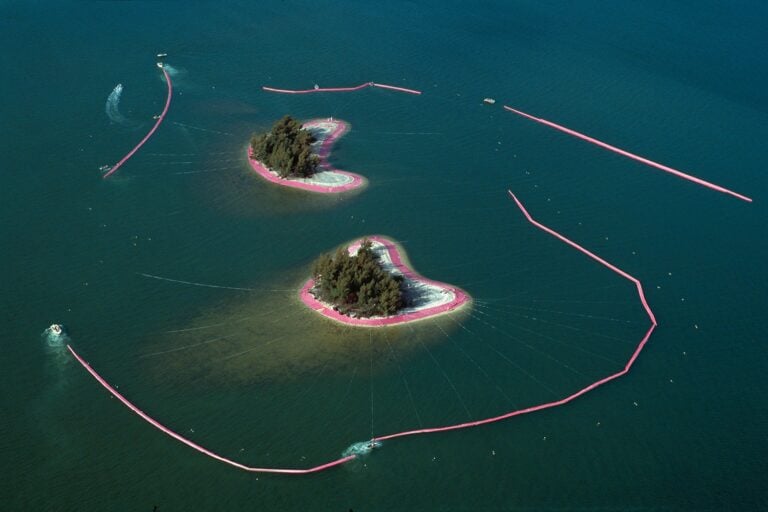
(460, 297)
(578, 393)
(355, 180)
(401, 89)
(633, 156)
(154, 128)
(457, 426)
(340, 89)
(192, 444)
(319, 89)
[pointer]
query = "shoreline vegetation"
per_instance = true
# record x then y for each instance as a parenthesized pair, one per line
(286, 149)
(357, 285)
(367, 283)
(296, 156)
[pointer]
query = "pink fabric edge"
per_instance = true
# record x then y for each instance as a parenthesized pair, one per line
(461, 297)
(324, 152)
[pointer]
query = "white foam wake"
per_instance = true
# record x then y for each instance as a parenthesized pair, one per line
(112, 107)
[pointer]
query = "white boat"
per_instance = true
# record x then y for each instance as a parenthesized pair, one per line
(56, 329)
(160, 65)
(161, 55)
(489, 101)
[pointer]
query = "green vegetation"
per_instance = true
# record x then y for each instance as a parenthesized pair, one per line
(286, 149)
(357, 285)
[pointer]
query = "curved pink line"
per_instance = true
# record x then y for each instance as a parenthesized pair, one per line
(148, 135)
(460, 296)
(578, 393)
(393, 88)
(340, 89)
(458, 426)
(194, 445)
(323, 152)
(321, 89)
(633, 156)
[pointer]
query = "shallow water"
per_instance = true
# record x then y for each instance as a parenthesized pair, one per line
(267, 383)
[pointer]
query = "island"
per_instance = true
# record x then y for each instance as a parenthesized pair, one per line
(368, 284)
(296, 156)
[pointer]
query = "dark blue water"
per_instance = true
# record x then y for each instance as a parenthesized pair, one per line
(253, 376)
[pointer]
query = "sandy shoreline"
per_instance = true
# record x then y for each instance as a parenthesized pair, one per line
(431, 298)
(327, 179)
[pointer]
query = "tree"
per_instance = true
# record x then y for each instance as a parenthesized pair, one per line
(357, 285)
(286, 149)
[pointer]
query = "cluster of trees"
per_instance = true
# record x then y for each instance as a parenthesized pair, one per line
(357, 285)
(286, 149)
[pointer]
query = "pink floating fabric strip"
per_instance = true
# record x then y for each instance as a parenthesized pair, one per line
(633, 156)
(148, 135)
(581, 391)
(192, 444)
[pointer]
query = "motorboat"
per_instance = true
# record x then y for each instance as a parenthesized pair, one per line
(489, 101)
(56, 329)
(161, 55)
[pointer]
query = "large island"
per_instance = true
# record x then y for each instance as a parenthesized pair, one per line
(368, 284)
(295, 155)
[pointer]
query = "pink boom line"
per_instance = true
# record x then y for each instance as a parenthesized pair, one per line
(633, 156)
(341, 89)
(148, 135)
(458, 426)
(578, 393)
(194, 445)
(323, 152)
(460, 297)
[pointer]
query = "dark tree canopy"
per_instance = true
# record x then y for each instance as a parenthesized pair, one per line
(286, 149)
(357, 285)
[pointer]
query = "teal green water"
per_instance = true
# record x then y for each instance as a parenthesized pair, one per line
(252, 376)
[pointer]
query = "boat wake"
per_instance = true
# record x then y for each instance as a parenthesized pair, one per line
(112, 107)
(55, 336)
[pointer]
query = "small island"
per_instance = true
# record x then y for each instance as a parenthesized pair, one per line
(368, 284)
(296, 156)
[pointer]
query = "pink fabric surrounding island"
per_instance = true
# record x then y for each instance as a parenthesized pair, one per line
(457, 296)
(152, 131)
(432, 430)
(327, 180)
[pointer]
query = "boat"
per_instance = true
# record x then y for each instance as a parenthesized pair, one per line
(56, 329)
(160, 65)
(161, 55)
(489, 101)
